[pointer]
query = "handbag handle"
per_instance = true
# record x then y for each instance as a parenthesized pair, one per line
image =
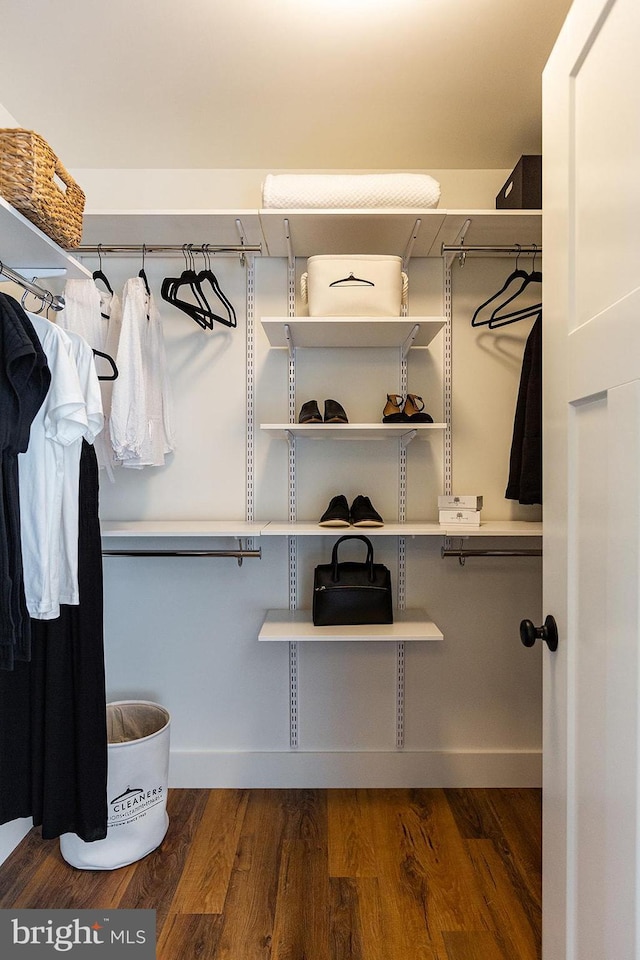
(335, 574)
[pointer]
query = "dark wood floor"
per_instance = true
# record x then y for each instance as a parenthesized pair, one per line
(320, 875)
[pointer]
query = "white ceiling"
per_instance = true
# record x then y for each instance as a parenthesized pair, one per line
(280, 84)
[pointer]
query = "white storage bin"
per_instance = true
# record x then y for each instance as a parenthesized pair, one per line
(354, 286)
(137, 784)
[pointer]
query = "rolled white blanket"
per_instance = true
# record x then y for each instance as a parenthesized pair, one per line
(291, 191)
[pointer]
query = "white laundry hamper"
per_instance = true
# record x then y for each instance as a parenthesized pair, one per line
(137, 785)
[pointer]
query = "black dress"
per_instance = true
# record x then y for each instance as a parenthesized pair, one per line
(525, 462)
(24, 381)
(53, 738)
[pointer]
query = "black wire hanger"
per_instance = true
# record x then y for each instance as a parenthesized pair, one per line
(516, 274)
(352, 281)
(109, 359)
(191, 282)
(100, 275)
(143, 274)
(499, 319)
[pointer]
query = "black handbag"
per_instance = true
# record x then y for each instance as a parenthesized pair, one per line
(350, 592)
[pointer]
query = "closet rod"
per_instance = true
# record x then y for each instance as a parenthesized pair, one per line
(54, 302)
(184, 248)
(480, 248)
(462, 554)
(238, 554)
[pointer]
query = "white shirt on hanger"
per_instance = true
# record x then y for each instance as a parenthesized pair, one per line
(141, 430)
(82, 356)
(97, 316)
(60, 422)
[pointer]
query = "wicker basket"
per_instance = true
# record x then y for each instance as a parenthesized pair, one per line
(27, 182)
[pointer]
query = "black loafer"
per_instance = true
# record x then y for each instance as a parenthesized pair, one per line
(310, 412)
(334, 412)
(363, 513)
(336, 514)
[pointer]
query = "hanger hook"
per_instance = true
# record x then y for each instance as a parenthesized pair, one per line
(535, 254)
(518, 255)
(100, 257)
(144, 250)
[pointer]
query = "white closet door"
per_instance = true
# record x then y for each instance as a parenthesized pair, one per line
(591, 151)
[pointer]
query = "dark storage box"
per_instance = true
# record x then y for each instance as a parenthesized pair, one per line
(523, 189)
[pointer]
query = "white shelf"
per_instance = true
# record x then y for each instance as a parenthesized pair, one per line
(351, 331)
(293, 625)
(390, 231)
(387, 232)
(488, 528)
(26, 249)
(497, 528)
(170, 227)
(350, 431)
(180, 528)
(490, 228)
(381, 231)
(309, 528)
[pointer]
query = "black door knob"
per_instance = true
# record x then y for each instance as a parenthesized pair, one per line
(548, 632)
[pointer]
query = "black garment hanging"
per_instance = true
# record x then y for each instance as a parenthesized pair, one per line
(53, 737)
(24, 381)
(525, 463)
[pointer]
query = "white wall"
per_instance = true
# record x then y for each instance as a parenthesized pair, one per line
(6, 119)
(237, 189)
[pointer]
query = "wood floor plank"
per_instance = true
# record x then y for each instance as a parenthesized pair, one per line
(189, 937)
(478, 945)
(404, 906)
(301, 922)
(59, 886)
(519, 813)
(351, 851)
(207, 870)
(518, 936)
(345, 926)
(247, 926)
(18, 870)
(434, 861)
(473, 813)
(512, 819)
(156, 877)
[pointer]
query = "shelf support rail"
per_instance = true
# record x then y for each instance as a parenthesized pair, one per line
(292, 504)
(409, 248)
(52, 301)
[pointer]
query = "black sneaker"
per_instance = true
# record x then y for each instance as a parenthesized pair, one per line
(336, 514)
(363, 513)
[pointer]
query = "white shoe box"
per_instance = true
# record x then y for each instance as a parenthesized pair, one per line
(468, 518)
(460, 503)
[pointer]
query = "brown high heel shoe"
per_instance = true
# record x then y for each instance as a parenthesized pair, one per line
(392, 412)
(413, 410)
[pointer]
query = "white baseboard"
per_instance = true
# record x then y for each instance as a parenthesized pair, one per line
(297, 769)
(11, 834)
